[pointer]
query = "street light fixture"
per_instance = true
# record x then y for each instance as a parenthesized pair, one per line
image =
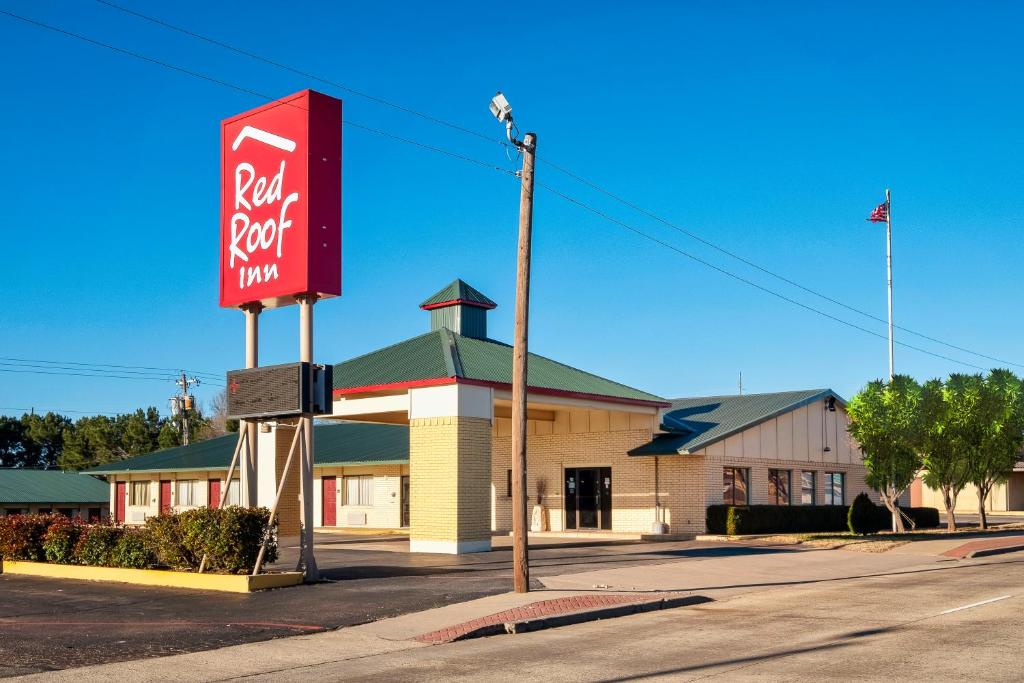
(502, 111)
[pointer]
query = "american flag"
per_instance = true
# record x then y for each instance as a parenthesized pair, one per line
(880, 214)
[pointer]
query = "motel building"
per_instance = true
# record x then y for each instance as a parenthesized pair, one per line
(603, 457)
(31, 491)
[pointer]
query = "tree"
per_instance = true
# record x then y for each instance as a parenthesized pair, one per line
(219, 421)
(169, 436)
(947, 410)
(13, 452)
(1002, 434)
(45, 434)
(885, 419)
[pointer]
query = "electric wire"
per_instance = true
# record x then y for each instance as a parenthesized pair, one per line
(485, 164)
(756, 266)
(561, 169)
(304, 74)
(740, 278)
(7, 360)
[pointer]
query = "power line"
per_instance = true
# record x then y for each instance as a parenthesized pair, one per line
(484, 164)
(212, 375)
(746, 261)
(304, 74)
(557, 167)
(740, 278)
(42, 411)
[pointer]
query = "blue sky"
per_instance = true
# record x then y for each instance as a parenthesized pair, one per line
(769, 129)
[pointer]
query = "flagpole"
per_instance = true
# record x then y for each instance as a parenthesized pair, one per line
(888, 263)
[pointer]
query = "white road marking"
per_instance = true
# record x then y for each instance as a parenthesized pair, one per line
(976, 604)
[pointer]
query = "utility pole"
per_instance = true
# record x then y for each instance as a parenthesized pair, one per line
(739, 383)
(185, 403)
(502, 110)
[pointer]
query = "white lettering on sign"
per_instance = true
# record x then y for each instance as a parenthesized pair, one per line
(249, 237)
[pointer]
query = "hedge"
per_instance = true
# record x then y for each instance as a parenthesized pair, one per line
(230, 537)
(769, 519)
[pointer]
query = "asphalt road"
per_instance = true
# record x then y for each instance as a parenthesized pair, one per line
(47, 624)
(958, 621)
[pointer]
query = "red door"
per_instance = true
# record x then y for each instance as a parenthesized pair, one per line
(120, 493)
(330, 501)
(165, 496)
(213, 499)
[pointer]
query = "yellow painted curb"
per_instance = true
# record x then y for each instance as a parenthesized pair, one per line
(232, 583)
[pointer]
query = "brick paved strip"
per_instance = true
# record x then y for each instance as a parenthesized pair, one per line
(558, 612)
(994, 546)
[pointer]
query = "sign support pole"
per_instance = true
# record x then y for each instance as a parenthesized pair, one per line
(312, 573)
(249, 494)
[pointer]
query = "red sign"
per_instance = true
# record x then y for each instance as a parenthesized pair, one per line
(280, 232)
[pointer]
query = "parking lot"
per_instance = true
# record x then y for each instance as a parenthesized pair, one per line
(50, 624)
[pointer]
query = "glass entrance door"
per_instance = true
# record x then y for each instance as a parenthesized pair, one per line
(588, 498)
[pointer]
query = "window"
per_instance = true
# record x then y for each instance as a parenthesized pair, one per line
(508, 483)
(359, 490)
(807, 482)
(734, 485)
(234, 497)
(778, 486)
(834, 488)
(188, 492)
(139, 493)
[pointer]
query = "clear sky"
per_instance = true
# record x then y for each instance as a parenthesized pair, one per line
(771, 129)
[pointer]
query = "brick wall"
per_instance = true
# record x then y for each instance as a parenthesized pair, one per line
(687, 484)
(450, 466)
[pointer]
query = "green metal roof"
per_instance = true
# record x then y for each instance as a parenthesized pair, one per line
(459, 291)
(695, 423)
(444, 354)
(50, 486)
(343, 444)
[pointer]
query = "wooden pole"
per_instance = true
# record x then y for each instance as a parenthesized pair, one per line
(888, 266)
(312, 573)
(248, 494)
(520, 520)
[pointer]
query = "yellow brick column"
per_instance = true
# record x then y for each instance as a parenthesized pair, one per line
(450, 482)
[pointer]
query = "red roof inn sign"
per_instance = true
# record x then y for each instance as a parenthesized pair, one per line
(280, 232)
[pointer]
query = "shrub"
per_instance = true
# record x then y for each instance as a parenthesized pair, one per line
(764, 519)
(230, 538)
(97, 544)
(21, 536)
(923, 518)
(165, 541)
(133, 550)
(61, 538)
(863, 516)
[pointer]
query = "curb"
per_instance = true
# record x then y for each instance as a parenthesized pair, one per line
(985, 552)
(556, 621)
(602, 613)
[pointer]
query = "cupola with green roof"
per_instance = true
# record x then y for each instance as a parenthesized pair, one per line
(460, 308)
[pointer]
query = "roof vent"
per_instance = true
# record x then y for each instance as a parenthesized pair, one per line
(459, 308)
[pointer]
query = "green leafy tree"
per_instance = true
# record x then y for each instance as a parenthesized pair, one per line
(1002, 434)
(947, 412)
(169, 436)
(13, 451)
(45, 435)
(885, 419)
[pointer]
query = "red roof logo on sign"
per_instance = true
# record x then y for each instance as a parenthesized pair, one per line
(281, 202)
